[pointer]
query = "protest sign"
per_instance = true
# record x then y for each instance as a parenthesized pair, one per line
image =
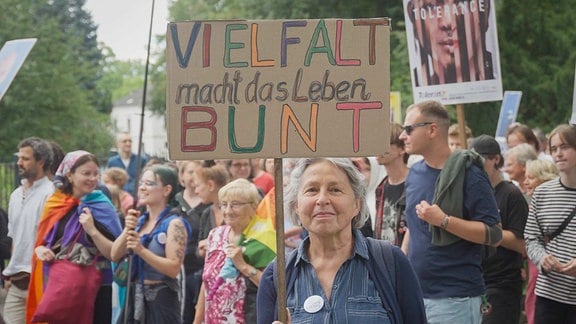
(508, 111)
(453, 49)
(278, 88)
(12, 56)
(395, 107)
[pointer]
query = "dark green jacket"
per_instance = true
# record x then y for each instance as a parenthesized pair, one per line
(449, 192)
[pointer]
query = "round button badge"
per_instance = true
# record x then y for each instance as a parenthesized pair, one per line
(313, 304)
(162, 238)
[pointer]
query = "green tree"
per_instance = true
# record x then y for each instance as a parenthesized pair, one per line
(183, 10)
(538, 55)
(537, 50)
(50, 96)
(78, 25)
(122, 77)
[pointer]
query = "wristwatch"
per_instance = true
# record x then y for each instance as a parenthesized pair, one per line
(252, 272)
(445, 221)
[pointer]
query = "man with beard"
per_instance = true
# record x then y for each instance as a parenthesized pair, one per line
(24, 211)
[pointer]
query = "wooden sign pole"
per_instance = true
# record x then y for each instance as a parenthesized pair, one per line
(461, 125)
(280, 255)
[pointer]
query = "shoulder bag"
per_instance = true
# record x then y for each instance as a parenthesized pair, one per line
(71, 291)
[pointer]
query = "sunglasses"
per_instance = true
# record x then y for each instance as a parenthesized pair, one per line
(410, 128)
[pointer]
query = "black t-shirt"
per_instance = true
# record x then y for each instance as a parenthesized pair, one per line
(392, 212)
(501, 265)
(192, 261)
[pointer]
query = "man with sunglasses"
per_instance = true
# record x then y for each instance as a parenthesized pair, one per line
(445, 237)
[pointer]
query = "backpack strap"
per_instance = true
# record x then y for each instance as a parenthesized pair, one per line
(290, 275)
(381, 268)
(563, 226)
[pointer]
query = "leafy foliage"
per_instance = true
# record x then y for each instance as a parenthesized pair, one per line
(65, 88)
(536, 49)
(183, 10)
(55, 94)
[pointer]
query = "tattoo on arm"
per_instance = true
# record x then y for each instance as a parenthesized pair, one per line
(179, 236)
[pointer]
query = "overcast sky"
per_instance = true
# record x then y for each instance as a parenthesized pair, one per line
(123, 25)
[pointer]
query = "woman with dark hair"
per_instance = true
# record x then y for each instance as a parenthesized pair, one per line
(191, 208)
(519, 133)
(244, 169)
(78, 223)
(158, 240)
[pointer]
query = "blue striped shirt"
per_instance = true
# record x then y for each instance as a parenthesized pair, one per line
(354, 296)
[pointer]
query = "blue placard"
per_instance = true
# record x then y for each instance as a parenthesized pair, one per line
(12, 55)
(508, 111)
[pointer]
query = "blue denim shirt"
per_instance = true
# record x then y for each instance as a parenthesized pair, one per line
(354, 297)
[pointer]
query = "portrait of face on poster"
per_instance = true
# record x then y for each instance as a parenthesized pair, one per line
(453, 48)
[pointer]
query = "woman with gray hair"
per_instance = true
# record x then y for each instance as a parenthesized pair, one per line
(337, 274)
(515, 163)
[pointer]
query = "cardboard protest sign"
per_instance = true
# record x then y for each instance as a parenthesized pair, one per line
(453, 48)
(12, 56)
(278, 88)
(508, 112)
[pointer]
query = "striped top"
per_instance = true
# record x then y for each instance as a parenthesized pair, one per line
(550, 205)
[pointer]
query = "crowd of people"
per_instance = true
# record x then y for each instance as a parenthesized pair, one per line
(432, 231)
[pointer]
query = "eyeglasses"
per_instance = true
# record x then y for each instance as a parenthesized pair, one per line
(240, 165)
(410, 128)
(235, 205)
(148, 183)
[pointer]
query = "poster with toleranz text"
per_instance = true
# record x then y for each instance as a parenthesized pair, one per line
(278, 88)
(453, 49)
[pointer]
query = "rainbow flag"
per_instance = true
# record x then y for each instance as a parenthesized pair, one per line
(259, 242)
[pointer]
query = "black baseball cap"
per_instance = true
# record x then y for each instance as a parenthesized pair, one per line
(485, 145)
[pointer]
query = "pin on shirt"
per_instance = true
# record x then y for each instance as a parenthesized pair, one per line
(313, 304)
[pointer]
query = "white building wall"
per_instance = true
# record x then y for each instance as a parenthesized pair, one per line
(126, 115)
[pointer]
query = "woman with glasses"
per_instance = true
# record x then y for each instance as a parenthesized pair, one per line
(236, 254)
(247, 169)
(158, 240)
(240, 169)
